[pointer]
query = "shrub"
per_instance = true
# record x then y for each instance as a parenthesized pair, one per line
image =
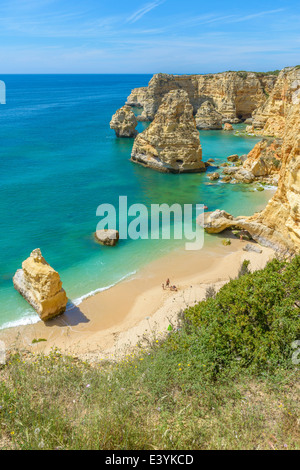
(251, 322)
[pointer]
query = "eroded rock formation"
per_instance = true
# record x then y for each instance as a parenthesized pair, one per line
(124, 122)
(269, 119)
(278, 225)
(171, 143)
(207, 117)
(265, 158)
(41, 286)
(234, 94)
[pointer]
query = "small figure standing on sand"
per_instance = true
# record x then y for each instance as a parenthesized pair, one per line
(163, 286)
(168, 282)
(241, 237)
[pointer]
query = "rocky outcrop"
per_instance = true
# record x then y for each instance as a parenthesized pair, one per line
(137, 97)
(108, 237)
(124, 122)
(278, 225)
(227, 127)
(41, 286)
(171, 143)
(265, 158)
(269, 119)
(207, 117)
(235, 95)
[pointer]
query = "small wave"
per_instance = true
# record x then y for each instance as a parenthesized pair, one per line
(268, 187)
(27, 320)
(79, 300)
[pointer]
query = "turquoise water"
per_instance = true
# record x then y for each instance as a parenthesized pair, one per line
(59, 160)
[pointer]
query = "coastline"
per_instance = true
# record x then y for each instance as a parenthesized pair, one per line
(110, 323)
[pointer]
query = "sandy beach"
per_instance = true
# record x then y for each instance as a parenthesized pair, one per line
(111, 323)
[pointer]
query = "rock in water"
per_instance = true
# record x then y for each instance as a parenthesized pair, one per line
(207, 117)
(41, 286)
(124, 122)
(108, 237)
(171, 143)
(228, 127)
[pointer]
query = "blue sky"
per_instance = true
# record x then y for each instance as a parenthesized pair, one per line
(173, 36)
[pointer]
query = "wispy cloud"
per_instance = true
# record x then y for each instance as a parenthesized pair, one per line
(233, 18)
(137, 15)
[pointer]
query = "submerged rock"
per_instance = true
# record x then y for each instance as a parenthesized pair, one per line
(108, 237)
(171, 143)
(214, 176)
(41, 286)
(124, 122)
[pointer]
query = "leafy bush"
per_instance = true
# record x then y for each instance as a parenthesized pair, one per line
(251, 322)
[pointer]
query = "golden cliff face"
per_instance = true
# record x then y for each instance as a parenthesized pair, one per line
(278, 225)
(233, 94)
(41, 286)
(282, 213)
(269, 119)
(171, 143)
(265, 158)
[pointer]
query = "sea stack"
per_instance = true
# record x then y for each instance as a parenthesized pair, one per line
(124, 122)
(41, 286)
(171, 143)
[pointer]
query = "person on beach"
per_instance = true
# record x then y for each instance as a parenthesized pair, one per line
(168, 282)
(174, 288)
(163, 286)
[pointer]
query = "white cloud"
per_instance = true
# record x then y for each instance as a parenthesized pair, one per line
(142, 11)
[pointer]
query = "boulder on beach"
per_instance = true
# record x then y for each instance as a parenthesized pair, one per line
(251, 247)
(41, 286)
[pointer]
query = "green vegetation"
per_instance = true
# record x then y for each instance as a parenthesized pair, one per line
(243, 73)
(223, 379)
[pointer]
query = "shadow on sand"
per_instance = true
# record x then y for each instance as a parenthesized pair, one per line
(71, 317)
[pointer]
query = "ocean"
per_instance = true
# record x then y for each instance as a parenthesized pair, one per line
(60, 160)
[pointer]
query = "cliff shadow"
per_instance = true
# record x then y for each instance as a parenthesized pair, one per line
(73, 316)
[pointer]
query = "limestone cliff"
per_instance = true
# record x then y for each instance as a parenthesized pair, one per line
(124, 122)
(207, 117)
(265, 158)
(41, 286)
(269, 119)
(171, 143)
(278, 225)
(234, 94)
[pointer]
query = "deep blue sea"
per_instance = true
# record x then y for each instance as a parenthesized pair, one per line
(59, 160)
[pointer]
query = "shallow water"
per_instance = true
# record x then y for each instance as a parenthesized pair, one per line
(59, 160)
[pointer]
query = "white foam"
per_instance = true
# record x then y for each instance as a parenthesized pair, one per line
(27, 320)
(268, 187)
(79, 300)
